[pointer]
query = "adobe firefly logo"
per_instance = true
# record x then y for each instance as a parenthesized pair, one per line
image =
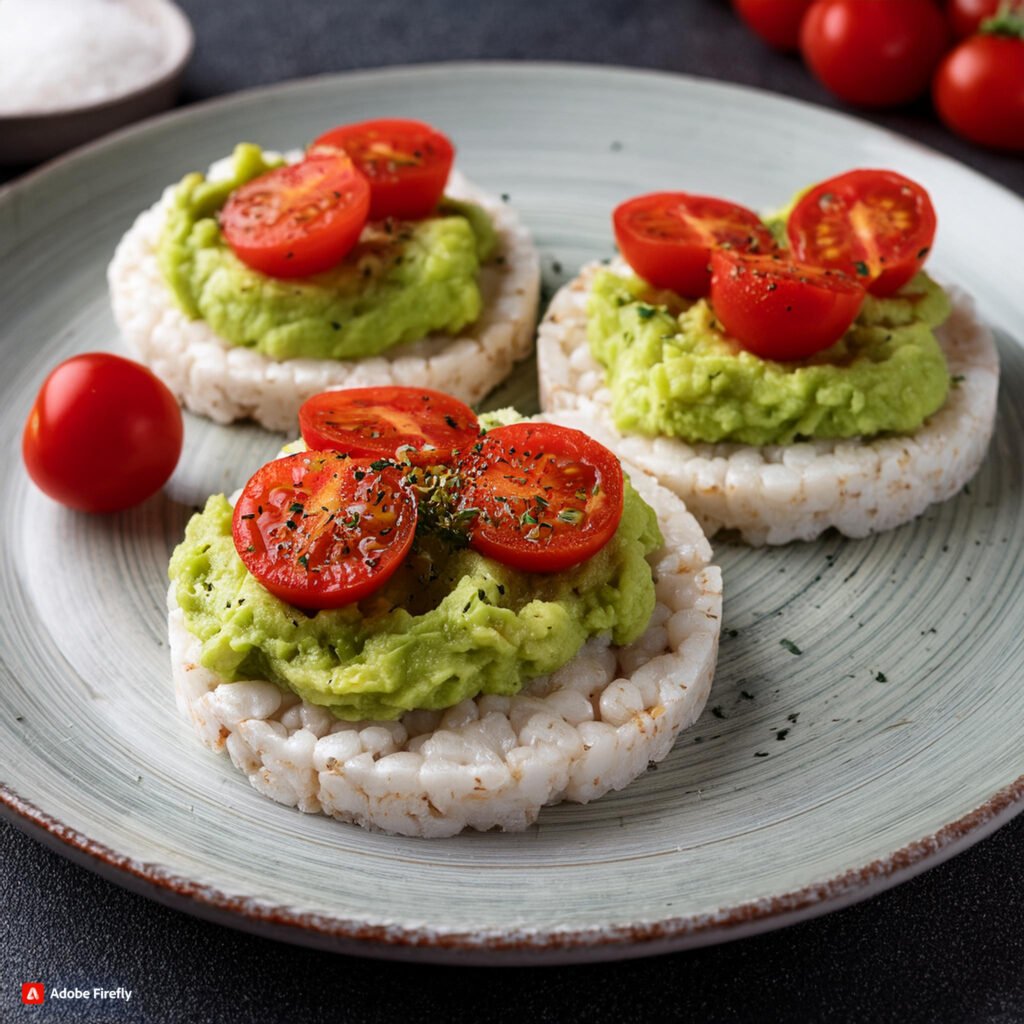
(33, 993)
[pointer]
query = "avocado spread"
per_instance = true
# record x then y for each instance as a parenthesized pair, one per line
(402, 280)
(451, 624)
(672, 371)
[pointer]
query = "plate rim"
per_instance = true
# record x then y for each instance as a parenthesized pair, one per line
(520, 947)
(504, 946)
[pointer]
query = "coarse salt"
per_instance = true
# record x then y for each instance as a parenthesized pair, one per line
(58, 54)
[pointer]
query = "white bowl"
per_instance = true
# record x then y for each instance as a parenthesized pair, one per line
(34, 136)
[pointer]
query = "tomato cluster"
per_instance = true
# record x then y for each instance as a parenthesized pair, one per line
(877, 53)
(863, 231)
(330, 525)
(304, 218)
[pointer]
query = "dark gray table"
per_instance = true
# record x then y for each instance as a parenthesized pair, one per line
(948, 945)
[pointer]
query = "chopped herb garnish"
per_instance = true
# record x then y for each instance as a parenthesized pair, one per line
(790, 646)
(862, 268)
(881, 677)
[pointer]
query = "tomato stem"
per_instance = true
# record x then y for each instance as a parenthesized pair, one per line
(1007, 21)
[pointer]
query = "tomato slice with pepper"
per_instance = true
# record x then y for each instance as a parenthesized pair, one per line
(667, 237)
(874, 224)
(547, 496)
(419, 425)
(299, 219)
(406, 163)
(780, 309)
(321, 529)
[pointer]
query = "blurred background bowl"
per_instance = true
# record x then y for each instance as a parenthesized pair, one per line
(33, 136)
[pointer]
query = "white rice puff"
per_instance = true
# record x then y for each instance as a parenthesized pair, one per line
(493, 762)
(779, 493)
(228, 382)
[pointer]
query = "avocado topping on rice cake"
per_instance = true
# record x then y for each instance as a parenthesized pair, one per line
(815, 324)
(474, 606)
(402, 280)
(673, 371)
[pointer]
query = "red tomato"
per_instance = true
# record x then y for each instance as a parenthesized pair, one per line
(549, 497)
(876, 225)
(780, 309)
(103, 435)
(406, 162)
(667, 237)
(966, 16)
(299, 219)
(979, 91)
(777, 22)
(322, 529)
(378, 421)
(874, 53)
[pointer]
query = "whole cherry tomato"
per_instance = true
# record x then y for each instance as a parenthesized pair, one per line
(966, 16)
(777, 22)
(979, 90)
(874, 53)
(103, 435)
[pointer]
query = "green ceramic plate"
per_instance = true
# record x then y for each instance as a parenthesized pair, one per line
(813, 780)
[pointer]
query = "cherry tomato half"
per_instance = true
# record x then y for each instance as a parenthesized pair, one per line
(378, 421)
(875, 225)
(777, 22)
(780, 309)
(549, 496)
(103, 435)
(299, 219)
(322, 529)
(979, 91)
(874, 53)
(667, 237)
(406, 162)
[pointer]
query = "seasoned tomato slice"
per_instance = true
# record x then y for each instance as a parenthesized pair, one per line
(299, 219)
(406, 162)
(780, 309)
(417, 424)
(875, 225)
(667, 237)
(321, 529)
(548, 496)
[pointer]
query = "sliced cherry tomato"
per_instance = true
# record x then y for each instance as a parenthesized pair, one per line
(979, 90)
(549, 496)
(299, 219)
(780, 309)
(667, 237)
(406, 162)
(322, 529)
(777, 22)
(103, 435)
(428, 425)
(874, 53)
(875, 225)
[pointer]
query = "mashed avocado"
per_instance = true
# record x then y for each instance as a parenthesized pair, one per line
(403, 280)
(449, 625)
(673, 372)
